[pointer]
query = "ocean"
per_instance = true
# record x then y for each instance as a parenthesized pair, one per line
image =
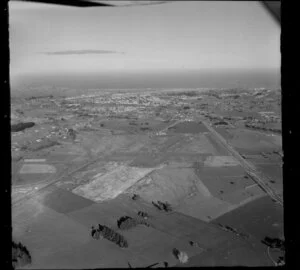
(205, 79)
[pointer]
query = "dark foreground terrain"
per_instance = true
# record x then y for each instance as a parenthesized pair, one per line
(148, 178)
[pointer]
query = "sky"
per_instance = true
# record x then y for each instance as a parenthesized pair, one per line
(176, 36)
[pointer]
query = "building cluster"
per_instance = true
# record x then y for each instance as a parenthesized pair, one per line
(85, 112)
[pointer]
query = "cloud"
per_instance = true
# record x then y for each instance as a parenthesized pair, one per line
(79, 52)
(134, 3)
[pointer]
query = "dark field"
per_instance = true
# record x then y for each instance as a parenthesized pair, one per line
(189, 127)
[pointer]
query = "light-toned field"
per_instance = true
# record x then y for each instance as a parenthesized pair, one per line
(27, 172)
(195, 144)
(37, 168)
(110, 185)
(169, 184)
(204, 208)
(94, 144)
(35, 160)
(220, 161)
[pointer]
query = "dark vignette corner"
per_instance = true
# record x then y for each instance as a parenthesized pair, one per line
(290, 112)
(5, 138)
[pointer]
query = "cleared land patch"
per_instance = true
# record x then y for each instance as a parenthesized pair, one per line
(224, 132)
(170, 184)
(220, 161)
(31, 178)
(274, 173)
(46, 233)
(277, 140)
(204, 208)
(90, 255)
(146, 160)
(35, 160)
(227, 184)
(188, 127)
(256, 218)
(206, 171)
(31, 173)
(221, 150)
(240, 197)
(111, 184)
(248, 141)
(133, 126)
(94, 144)
(37, 168)
(238, 255)
(62, 201)
(195, 144)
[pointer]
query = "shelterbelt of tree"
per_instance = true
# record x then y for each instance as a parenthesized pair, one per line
(21, 126)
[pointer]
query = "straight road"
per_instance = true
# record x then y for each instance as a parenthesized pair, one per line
(258, 177)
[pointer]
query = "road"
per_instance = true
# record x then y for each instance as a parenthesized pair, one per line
(255, 175)
(41, 186)
(258, 177)
(44, 185)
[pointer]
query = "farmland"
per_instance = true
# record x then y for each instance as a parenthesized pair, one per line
(94, 158)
